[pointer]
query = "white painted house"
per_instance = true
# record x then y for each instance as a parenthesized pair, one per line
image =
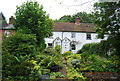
(72, 36)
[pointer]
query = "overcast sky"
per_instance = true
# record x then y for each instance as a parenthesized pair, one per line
(55, 8)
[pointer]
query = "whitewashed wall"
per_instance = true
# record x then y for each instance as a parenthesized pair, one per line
(80, 39)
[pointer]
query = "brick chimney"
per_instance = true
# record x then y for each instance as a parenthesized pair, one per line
(11, 20)
(77, 21)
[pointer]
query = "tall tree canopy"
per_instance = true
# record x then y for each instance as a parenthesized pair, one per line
(31, 19)
(84, 18)
(107, 17)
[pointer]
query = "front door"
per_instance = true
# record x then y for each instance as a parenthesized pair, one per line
(65, 46)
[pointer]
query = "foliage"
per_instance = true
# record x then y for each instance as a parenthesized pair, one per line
(18, 53)
(73, 74)
(65, 18)
(23, 61)
(54, 75)
(58, 49)
(107, 17)
(84, 18)
(31, 19)
(103, 48)
(67, 53)
(73, 63)
(97, 64)
(98, 57)
(52, 59)
(20, 45)
(73, 60)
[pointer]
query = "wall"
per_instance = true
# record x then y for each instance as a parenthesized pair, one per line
(80, 40)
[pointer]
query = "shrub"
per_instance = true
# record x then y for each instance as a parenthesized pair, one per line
(54, 75)
(102, 49)
(75, 63)
(58, 49)
(19, 51)
(67, 53)
(73, 74)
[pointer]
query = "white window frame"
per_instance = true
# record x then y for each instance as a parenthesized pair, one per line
(7, 33)
(73, 35)
(73, 47)
(88, 36)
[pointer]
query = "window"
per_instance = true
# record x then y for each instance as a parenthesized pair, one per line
(88, 36)
(7, 33)
(50, 44)
(73, 46)
(72, 35)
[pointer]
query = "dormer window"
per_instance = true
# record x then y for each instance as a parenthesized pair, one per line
(88, 36)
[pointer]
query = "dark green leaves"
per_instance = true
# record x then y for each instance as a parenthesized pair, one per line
(31, 19)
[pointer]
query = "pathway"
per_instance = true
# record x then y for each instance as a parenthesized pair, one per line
(63, 70)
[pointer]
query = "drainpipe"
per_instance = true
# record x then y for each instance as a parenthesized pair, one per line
(62, 39)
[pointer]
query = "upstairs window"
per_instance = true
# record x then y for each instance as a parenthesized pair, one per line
(72, 35)
(88, 36)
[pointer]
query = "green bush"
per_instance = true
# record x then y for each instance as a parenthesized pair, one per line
(55, 75)
(73, 60)
(52, 59)
(102, 49)
(73, 74)
(67, 53)
(19, 51)
(97, 64)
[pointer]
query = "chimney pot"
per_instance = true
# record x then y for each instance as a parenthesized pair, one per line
(77, 21)
(11, 20)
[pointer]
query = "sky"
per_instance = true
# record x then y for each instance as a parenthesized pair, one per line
(55, 8)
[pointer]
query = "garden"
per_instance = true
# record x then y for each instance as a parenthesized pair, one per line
(24, 61)
(26, 58)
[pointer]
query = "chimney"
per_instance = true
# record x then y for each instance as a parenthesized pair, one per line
(77, 21)
(11, 20)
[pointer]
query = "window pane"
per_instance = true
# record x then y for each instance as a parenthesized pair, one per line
(50, 44)
(72, 35)
(7, 33)
(88, 36)
(73, 47)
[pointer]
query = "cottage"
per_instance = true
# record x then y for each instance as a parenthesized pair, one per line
(72, 36)
(6, 28)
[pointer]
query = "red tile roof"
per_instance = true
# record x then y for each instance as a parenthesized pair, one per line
(72, 27)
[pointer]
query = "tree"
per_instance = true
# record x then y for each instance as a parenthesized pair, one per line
(84, 17)
(65, 18)
(18, 58)
(107, 17)
(31, 19)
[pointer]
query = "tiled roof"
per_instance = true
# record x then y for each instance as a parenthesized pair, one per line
(8, 27)
(72, 27)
